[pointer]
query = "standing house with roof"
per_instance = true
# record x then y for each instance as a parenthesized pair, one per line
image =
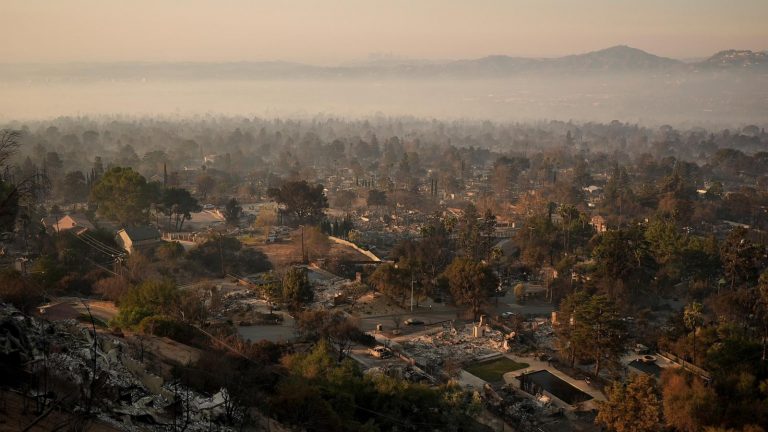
(138, 238)
(75, 222)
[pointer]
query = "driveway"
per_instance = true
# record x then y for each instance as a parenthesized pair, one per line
(283, 332)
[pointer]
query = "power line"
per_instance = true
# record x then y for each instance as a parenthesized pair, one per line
(95, 246)
(102, 267)
(104, 245)
(99, 246)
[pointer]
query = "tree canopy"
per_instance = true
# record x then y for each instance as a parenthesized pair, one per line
(123, 195)
(153, 297)
(232, 212)
(305, 203)
(471, 283)
(297, 291)
(634, 406)
(179, 204)
(591, 330)
(392, 281)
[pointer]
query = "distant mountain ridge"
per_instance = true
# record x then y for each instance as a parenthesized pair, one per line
(620, 59)
(737, 58)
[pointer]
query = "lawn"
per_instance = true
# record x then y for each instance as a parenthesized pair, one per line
(493, 370)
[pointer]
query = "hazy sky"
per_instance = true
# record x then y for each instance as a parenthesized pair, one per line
(330, 31)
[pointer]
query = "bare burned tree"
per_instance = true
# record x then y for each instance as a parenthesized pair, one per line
(9, 143)
(9, 195)
(12, 190)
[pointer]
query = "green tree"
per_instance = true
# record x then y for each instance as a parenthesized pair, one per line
(581, 175)
(169, 251)
(688, 404)
(338, 329)
(123, 196)
(714, 192)
(693, 317)
(564, 330)
(740, 258)
(205, 184)
(153, 297)
(570, 216)
(271, 289)
(179, 204)
(74, 187)
(665, 240)
(623, 256)
(304, 202)
(376, 198)
(338, 397)
(221, 255)
(471, 283)
(469, 236)
(598, 331)
(539, 241)
(633, 406)
(425, 259)
(701, 259)
(297, 290)
(232, 212)
(618, 195)
(392, 281)
(475, 234)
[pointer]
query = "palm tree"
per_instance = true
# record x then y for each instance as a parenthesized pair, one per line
(693, 319)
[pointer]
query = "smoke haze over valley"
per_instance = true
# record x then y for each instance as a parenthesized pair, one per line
(616, 83)
(372, 216)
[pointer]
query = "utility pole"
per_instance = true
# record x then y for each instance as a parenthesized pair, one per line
(411, 291)
(221, 256)
(303, 253)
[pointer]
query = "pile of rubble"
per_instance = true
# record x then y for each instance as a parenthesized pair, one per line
(463, 345)
(87, 372)
(518, 410)
(237, 301)
(326, 286)
(402, 371)
(545, 335)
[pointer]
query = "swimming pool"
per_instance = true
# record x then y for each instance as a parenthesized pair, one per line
(535, 382)
(649, 368)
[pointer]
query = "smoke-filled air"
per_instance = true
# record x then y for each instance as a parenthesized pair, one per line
(403, 215)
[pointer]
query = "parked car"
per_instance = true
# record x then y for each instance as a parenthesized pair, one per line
(413, 322)
(380, 352)
(508, 315)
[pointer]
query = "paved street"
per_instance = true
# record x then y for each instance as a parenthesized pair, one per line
(429, 316)
(535, 307)
(284, 331)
